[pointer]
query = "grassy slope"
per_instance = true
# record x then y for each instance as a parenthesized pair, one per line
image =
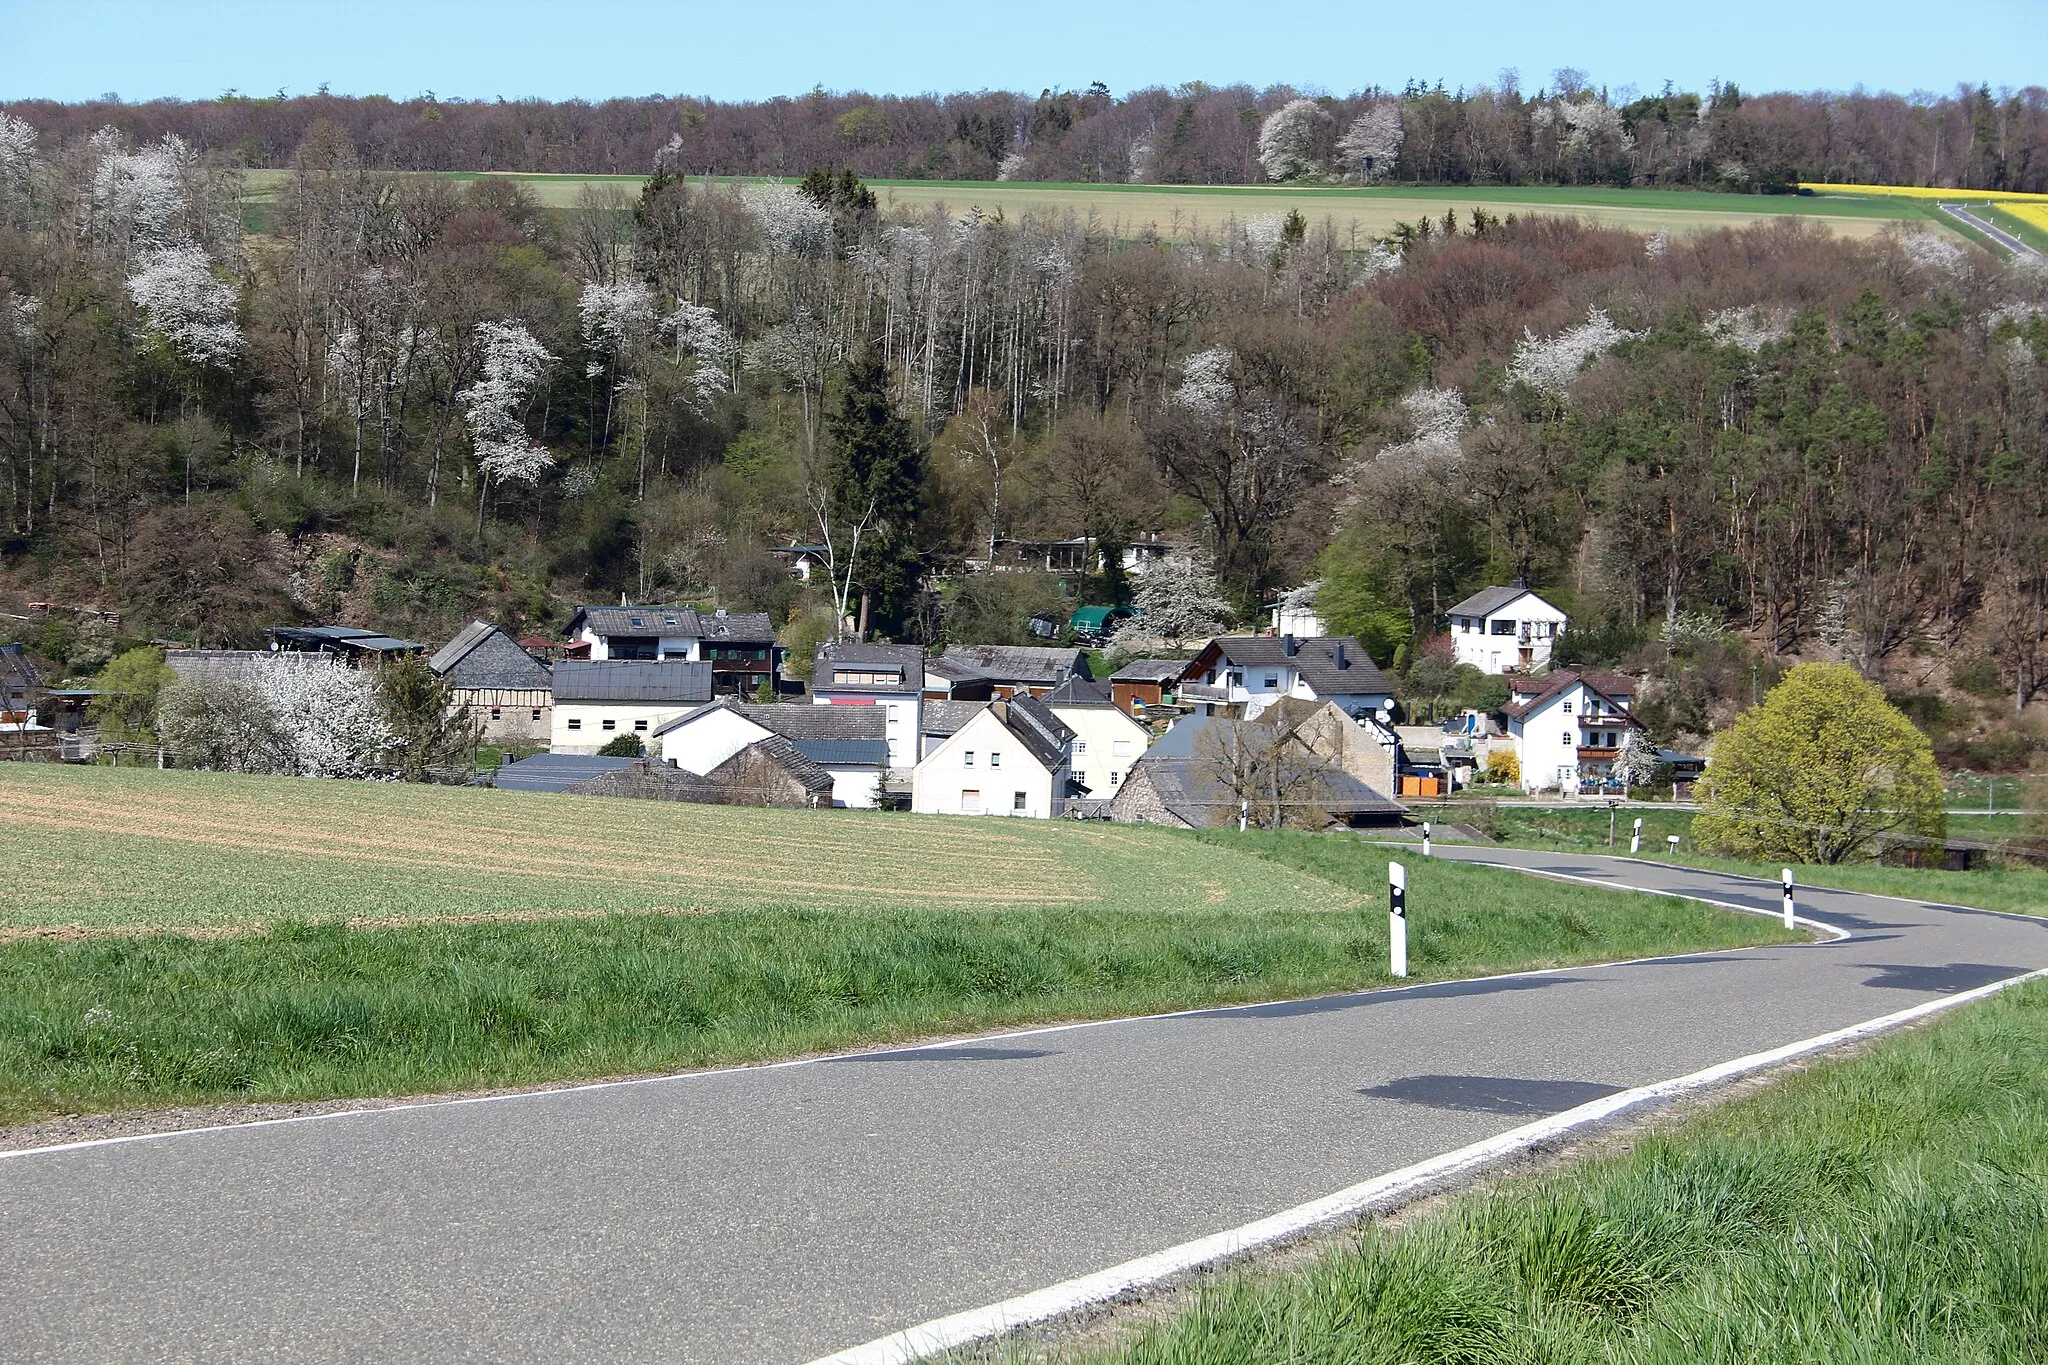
(2020, 891)
(1889, 1208)
(310, 1007)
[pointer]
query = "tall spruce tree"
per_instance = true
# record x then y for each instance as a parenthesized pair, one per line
(878, 461)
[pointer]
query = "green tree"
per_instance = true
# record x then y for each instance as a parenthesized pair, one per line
(1357, 597)
(1817, 772)
(622, 746)
(433, 734)
(129, 688)
(878, 472)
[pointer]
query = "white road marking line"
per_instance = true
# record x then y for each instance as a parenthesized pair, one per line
(960, 1329)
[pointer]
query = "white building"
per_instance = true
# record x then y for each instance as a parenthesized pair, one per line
(1505, 630)
(1010, 758)
(846, 742)
(739, 645)
(1107, 742)
(1254, 671)
(596, 702)
(1295, 613)
(887, 676)
(1568, 727)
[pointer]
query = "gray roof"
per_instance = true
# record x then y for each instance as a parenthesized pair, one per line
(943, 718)
(906, 659)
(340, 639)
(1315, 658)
(787, 756)
(1191, 789)
(1031, 721)
(215, 665)
(800, 722)
(1151, 670)
(1488, 600)
(676, 622)
(557, 772)
(482, 655)
(1078, 692)
(953, 670)
(1036, 665)
(844, 753)
(631, 680)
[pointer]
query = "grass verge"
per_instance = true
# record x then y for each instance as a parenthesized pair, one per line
(2020, 891)
(318, 1010)
(1891, 1207)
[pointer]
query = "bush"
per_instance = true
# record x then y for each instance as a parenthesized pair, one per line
(623, 746)
(1505, 767)
(129, 688)
(1979, 678)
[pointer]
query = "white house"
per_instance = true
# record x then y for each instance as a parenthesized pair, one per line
(1505, 630)
(887, 676)
(846, 742)
(1107, 742)
(1295, 613)
(1009, 758)
(739, 645)
(1254, 671)
(596, 702)
(1568, 727)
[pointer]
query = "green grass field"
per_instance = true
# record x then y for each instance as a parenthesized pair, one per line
(1181, 210)
(180, 937)
(1890, 1208)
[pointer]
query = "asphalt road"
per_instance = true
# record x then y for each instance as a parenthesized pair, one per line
(1990, 229)
(779, 1213)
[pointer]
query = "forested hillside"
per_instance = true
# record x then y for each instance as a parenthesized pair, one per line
(1569, 132)
(411, 400)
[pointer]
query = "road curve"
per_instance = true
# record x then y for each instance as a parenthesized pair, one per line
(780, 1213)
(2010, 241)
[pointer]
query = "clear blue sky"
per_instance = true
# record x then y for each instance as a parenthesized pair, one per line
(750, 49)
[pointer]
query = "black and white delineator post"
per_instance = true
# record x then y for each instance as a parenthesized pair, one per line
(1790, 909)
(1635, 841)
(1425, 838)
(1397, 917)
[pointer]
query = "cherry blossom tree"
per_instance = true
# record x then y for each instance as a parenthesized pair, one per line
(328, 719)
(1177, 599)
(1291, 138)
(1372, 144)
(513, 362)
(185, 305)
(1550, 364)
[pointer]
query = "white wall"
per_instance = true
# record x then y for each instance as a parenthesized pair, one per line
(670, 647)
(579, 726)
(709, 740)
(854, 786)
(985, 758)
(1547, 743)
(1107, 744)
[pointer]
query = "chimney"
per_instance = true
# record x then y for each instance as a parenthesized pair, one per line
(1337, 654)
(1289, 645)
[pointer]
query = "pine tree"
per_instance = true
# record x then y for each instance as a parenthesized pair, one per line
(878, 463)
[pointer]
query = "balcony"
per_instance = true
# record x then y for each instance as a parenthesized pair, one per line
(1202, 692)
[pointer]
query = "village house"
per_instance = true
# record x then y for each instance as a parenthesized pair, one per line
(739, 646)
(20, 687)
(1032, 670)
(1568, 727)
(1339, 768)
(1251, 672)
(1505, 630)
(951, 680)
(349, 644)
(1106, 740)
(846, 743)
(597, 701)
(942, 719)
(1142, 553)
(890, 677)
(508, 694)
(1143, 684)
(1295, 613)
(1010, 758)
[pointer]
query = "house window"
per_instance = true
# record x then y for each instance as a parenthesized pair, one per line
(639, 725)
(1115, 777)
(995, 758)
(1566, 737)
(847, 677)
(1017, 802)
(494, 713)
(1080, 747)
(970, 803)
(1567, 708)
(1272, 682)
(1503, 627)
(575, 722)
(611, 725)
(970, 759)
(536, 715)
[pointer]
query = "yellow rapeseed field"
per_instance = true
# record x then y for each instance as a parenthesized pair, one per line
(1923, 192)
(2034, 212)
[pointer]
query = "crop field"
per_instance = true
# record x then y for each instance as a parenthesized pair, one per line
(1178, 211)
(99, 848)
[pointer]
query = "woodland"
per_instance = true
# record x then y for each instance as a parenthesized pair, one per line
(409, 401)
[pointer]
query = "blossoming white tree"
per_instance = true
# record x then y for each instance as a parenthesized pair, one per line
(1290, 138)
(512, 364)
(1205, 386)
(1372, 144)
(328, 720)
(789, 220)
(1636, 763)
(184, 304)
(1550, 364)
(1177, 599)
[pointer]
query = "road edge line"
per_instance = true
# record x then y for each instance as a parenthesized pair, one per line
(980, 1324)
